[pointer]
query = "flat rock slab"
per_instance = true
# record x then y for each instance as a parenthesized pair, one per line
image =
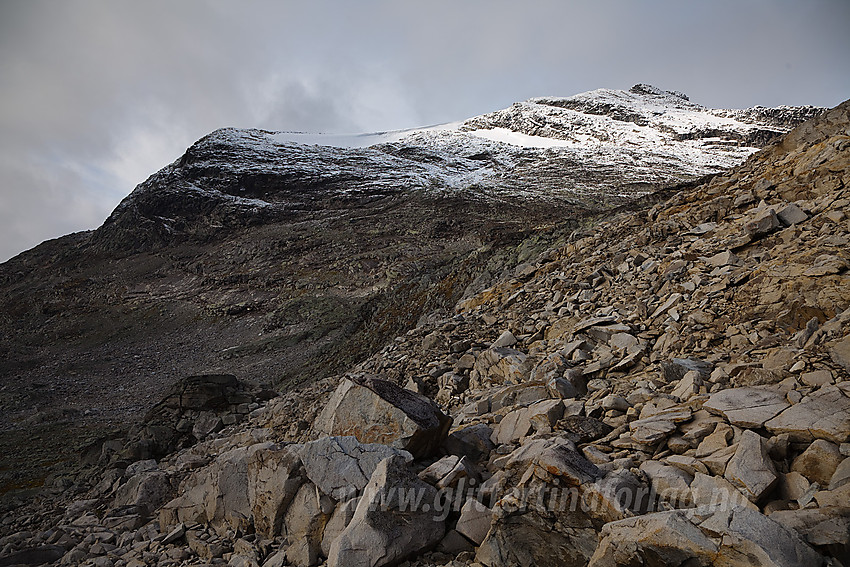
(823, 414)
(747, 407)
(342, 466)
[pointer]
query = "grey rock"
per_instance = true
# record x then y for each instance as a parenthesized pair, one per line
(378, 411)
(341, 466)
(274, 476)
(791, 214)
(474, 521)
(823, 414)
(387, 527)
(747, 407)
(506, 339)
(750, 469)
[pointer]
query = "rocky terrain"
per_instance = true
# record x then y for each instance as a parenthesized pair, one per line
(663, 383)
(280, 261)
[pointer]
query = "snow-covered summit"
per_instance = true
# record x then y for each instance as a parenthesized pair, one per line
(589, 151)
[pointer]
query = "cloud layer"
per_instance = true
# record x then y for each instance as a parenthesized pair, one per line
(97, 95)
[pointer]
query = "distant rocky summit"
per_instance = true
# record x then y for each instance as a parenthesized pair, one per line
(412, 353)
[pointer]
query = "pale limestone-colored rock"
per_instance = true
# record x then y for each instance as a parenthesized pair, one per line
(661, 538)
(448, 471)
(651, 430)
(500, 365)
(338, 521)
(840, 352)
(341, 466)
(147, 489)
(543, 415)
(513, 427)
(717, 440)
(725, 258)
(506, 339)
(474, 521)
(394, 519)
(793, 485)
(716, 491)
(717, 461)
(818, 462)
(622, 341)
(225, 483)
(763, 222)
(823, 414)
(618, 495)
(841, 476)
(750, 469)
(274, 476)
(838, 497)
(378, 411)
(751, 538)
(670, 483)
(818, 526)
(690, 385)
(686, 463)
(816, 378)
(304, 521)
(747, 407)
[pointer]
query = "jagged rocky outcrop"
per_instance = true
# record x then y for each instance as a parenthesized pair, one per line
(667, 384)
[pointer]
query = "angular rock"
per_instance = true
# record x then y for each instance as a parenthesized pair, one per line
(378, 411)
(823, 414)
(821, 527)
(716, 491)
(840, 353)
(747, 407)
(764, 222)
(472, 441)
(791, 214)
(506, 339)
(305, 521)
(671, 484)
(339, 520)
(148, 489)
(529, 540)
(474, 521)
(342, 466)
(661, 538)
(394, 519)
(841, 476)
(818, 462)
(750, 469)
(274, 477)
(500, 365)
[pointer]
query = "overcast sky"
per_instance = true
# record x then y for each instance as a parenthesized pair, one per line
(98, 95)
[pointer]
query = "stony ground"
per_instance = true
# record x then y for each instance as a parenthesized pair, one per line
(671, 386)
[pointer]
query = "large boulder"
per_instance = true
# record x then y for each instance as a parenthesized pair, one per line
(703, 537)
(378, 411)
(274, 477)
(342, 466)
(394, 519)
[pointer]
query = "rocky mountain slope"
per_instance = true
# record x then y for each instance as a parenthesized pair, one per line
(282, 261)
(602, 377)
